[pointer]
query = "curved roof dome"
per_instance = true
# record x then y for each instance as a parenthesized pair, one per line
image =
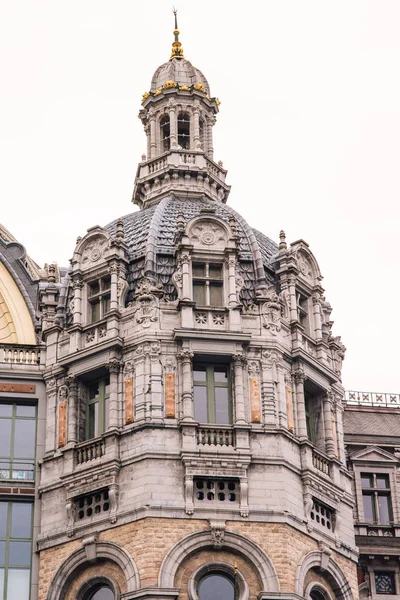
(151, 236)
(179, 70)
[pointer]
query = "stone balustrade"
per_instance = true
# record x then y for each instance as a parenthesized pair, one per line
(321, 462)
(19, 355)
(90, 450)
(216, 436)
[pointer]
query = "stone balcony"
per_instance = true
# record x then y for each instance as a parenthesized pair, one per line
(20, 358)
(182, 172)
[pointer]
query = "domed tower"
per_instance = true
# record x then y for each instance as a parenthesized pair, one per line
(194, 441)
(178, 114)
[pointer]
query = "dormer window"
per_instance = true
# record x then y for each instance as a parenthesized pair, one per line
(99, 295)
(376, 498)
(184, 131)
(303, 312)
(207, 284)
(165, 132)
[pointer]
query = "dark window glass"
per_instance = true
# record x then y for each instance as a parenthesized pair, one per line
(24, 441)
(366, 481)
(21, 520)
(25, 410)
(221, 406)
(200, 404)
(368, 504)
(95, 309)
(184, 131)
(103, 593)
(199, 270)
(3, 550)
(199, 293)
(215, 294)
(215, 271)
(6, 410)
(216, 587)
(385, 582)
(97, 408)
(5, 436)
(94, 288)
(317, 595)
(384, 509)
(3, 519)
(19, 554)
(382, 481)
(165, 131)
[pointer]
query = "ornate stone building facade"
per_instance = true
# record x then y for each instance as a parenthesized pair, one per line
(194, 443)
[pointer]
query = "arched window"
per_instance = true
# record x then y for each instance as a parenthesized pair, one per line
(317, 594)
(165, 132)
(201, 134)
(216, 586)
(99, 588)
(184, 131)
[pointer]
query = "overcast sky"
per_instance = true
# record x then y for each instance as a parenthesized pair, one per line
(309, 130)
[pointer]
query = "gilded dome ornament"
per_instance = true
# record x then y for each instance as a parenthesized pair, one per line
(145, 96)
(169, 84)
(157, 92)
(177, 50)
(185, 88)
(200, 87)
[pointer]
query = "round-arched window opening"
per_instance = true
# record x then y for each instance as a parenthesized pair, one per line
(216, 587)
(316, 594)
(101, 593)
(316, 591)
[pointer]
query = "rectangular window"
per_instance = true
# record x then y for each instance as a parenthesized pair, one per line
(99, 297)
(216, 491)
(385, 582)
(322, 515)
(17, 441)
(303, 312)
(377, 504)
(211, 390)
(310, 417)
(97, 407)
(207, 284)
(15, 549)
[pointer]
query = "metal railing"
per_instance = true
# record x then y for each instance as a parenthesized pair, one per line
(372, 399)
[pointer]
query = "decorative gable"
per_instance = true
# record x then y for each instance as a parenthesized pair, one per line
(373, 454)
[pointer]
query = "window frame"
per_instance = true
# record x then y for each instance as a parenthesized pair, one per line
(94, 584)
(375, 492)
(207, 281)
(99, 298)
(210, 384)
(103, 405)
(384, 571)
(165, 140)
(12, 459)
(179, 127)
(241, 589)
(9, 539)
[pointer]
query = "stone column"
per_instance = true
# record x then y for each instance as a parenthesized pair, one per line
(77, 285)
(210, 149)
(147, 131)
(293, 303)
(185, 358)
(72, 409)
(196, 125)
(114, 286)
(327, 408)
(301, 409)
(153, 143)
(172, 126)
(232, 296)
(113, 368)
(186, 283)
(317, 317)
(51, 394)
(239, 361)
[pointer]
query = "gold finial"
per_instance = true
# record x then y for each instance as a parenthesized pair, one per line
(177, 50)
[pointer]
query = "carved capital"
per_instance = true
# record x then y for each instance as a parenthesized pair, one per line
(72, 383)
(114, 365)
(77, 284)
(299, 376)
(185, 356)
(239, 359)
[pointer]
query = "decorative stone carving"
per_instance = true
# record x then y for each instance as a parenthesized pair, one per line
(129, 400)
(70, 510)
(218, 319)
(208, 233)
(338, 351)
(217, 532)
(177, 277)
(146, 304)
(284, 298)
(94, 250)
(200, 318)
(304, 264)
(271, 311)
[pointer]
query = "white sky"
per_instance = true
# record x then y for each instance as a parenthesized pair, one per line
(309, 130)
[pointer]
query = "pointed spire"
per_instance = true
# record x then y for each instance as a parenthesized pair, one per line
(282, 240)
(177, 50)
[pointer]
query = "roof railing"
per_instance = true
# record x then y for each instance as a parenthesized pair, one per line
(374, 399)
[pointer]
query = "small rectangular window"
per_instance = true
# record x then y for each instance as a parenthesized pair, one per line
(385, 582)
(212, 394)
(99, 296)
(97, 407)
(377, 505)
(208, 284)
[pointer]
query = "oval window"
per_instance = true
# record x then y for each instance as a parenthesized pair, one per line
(216, 587)
(102, 593)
